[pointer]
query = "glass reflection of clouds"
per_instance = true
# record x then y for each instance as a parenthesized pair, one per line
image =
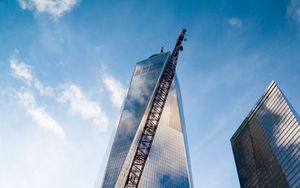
(266, 146)
(168, 164)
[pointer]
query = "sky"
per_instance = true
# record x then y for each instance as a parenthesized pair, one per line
(65, 66)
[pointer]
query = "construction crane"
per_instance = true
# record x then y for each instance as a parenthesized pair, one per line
(154, 115)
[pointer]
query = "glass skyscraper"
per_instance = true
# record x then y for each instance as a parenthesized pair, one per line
(266, 146)
(168, 164)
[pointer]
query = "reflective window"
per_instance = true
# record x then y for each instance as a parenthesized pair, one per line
(266, 147)
(167, 164)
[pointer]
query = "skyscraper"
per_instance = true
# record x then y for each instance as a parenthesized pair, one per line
(266, 146)
(168, 163)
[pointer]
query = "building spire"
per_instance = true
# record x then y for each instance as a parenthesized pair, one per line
(162, 50)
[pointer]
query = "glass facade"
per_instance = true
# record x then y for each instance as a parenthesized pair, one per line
(168, 163)
(266, 146)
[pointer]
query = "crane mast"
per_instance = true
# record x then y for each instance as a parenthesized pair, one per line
(154, 115)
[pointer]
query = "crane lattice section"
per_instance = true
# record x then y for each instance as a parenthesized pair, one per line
(154, 115)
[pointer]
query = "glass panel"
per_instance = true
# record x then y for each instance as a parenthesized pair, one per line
(266, 146)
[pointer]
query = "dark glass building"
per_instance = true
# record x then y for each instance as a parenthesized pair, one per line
(168, 164)
(266, 146)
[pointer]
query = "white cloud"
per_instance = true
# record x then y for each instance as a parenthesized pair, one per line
(55, 8)
(43, 90)
(81, 105)
(116, 89)
(21, 70)
(293, 10)
(236, 22)
(39, 115)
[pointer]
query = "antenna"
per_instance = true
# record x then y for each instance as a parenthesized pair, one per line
(162, 50)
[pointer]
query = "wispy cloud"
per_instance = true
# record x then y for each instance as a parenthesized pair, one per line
(235, 22)
(293, 10)
(20, 70)
(116, 89)
(39, 114)
(55, 8)
(43, 90)
(23, 72)
(81, 105)
(71, 94)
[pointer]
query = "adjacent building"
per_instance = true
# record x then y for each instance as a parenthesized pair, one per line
(168, 164)
(266, 146)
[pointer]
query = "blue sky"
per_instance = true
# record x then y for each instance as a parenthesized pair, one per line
(65, 66)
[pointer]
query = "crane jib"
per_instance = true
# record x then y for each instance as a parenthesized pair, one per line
(154, 115)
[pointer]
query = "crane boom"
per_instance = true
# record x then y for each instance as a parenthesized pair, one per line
(154, 115)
